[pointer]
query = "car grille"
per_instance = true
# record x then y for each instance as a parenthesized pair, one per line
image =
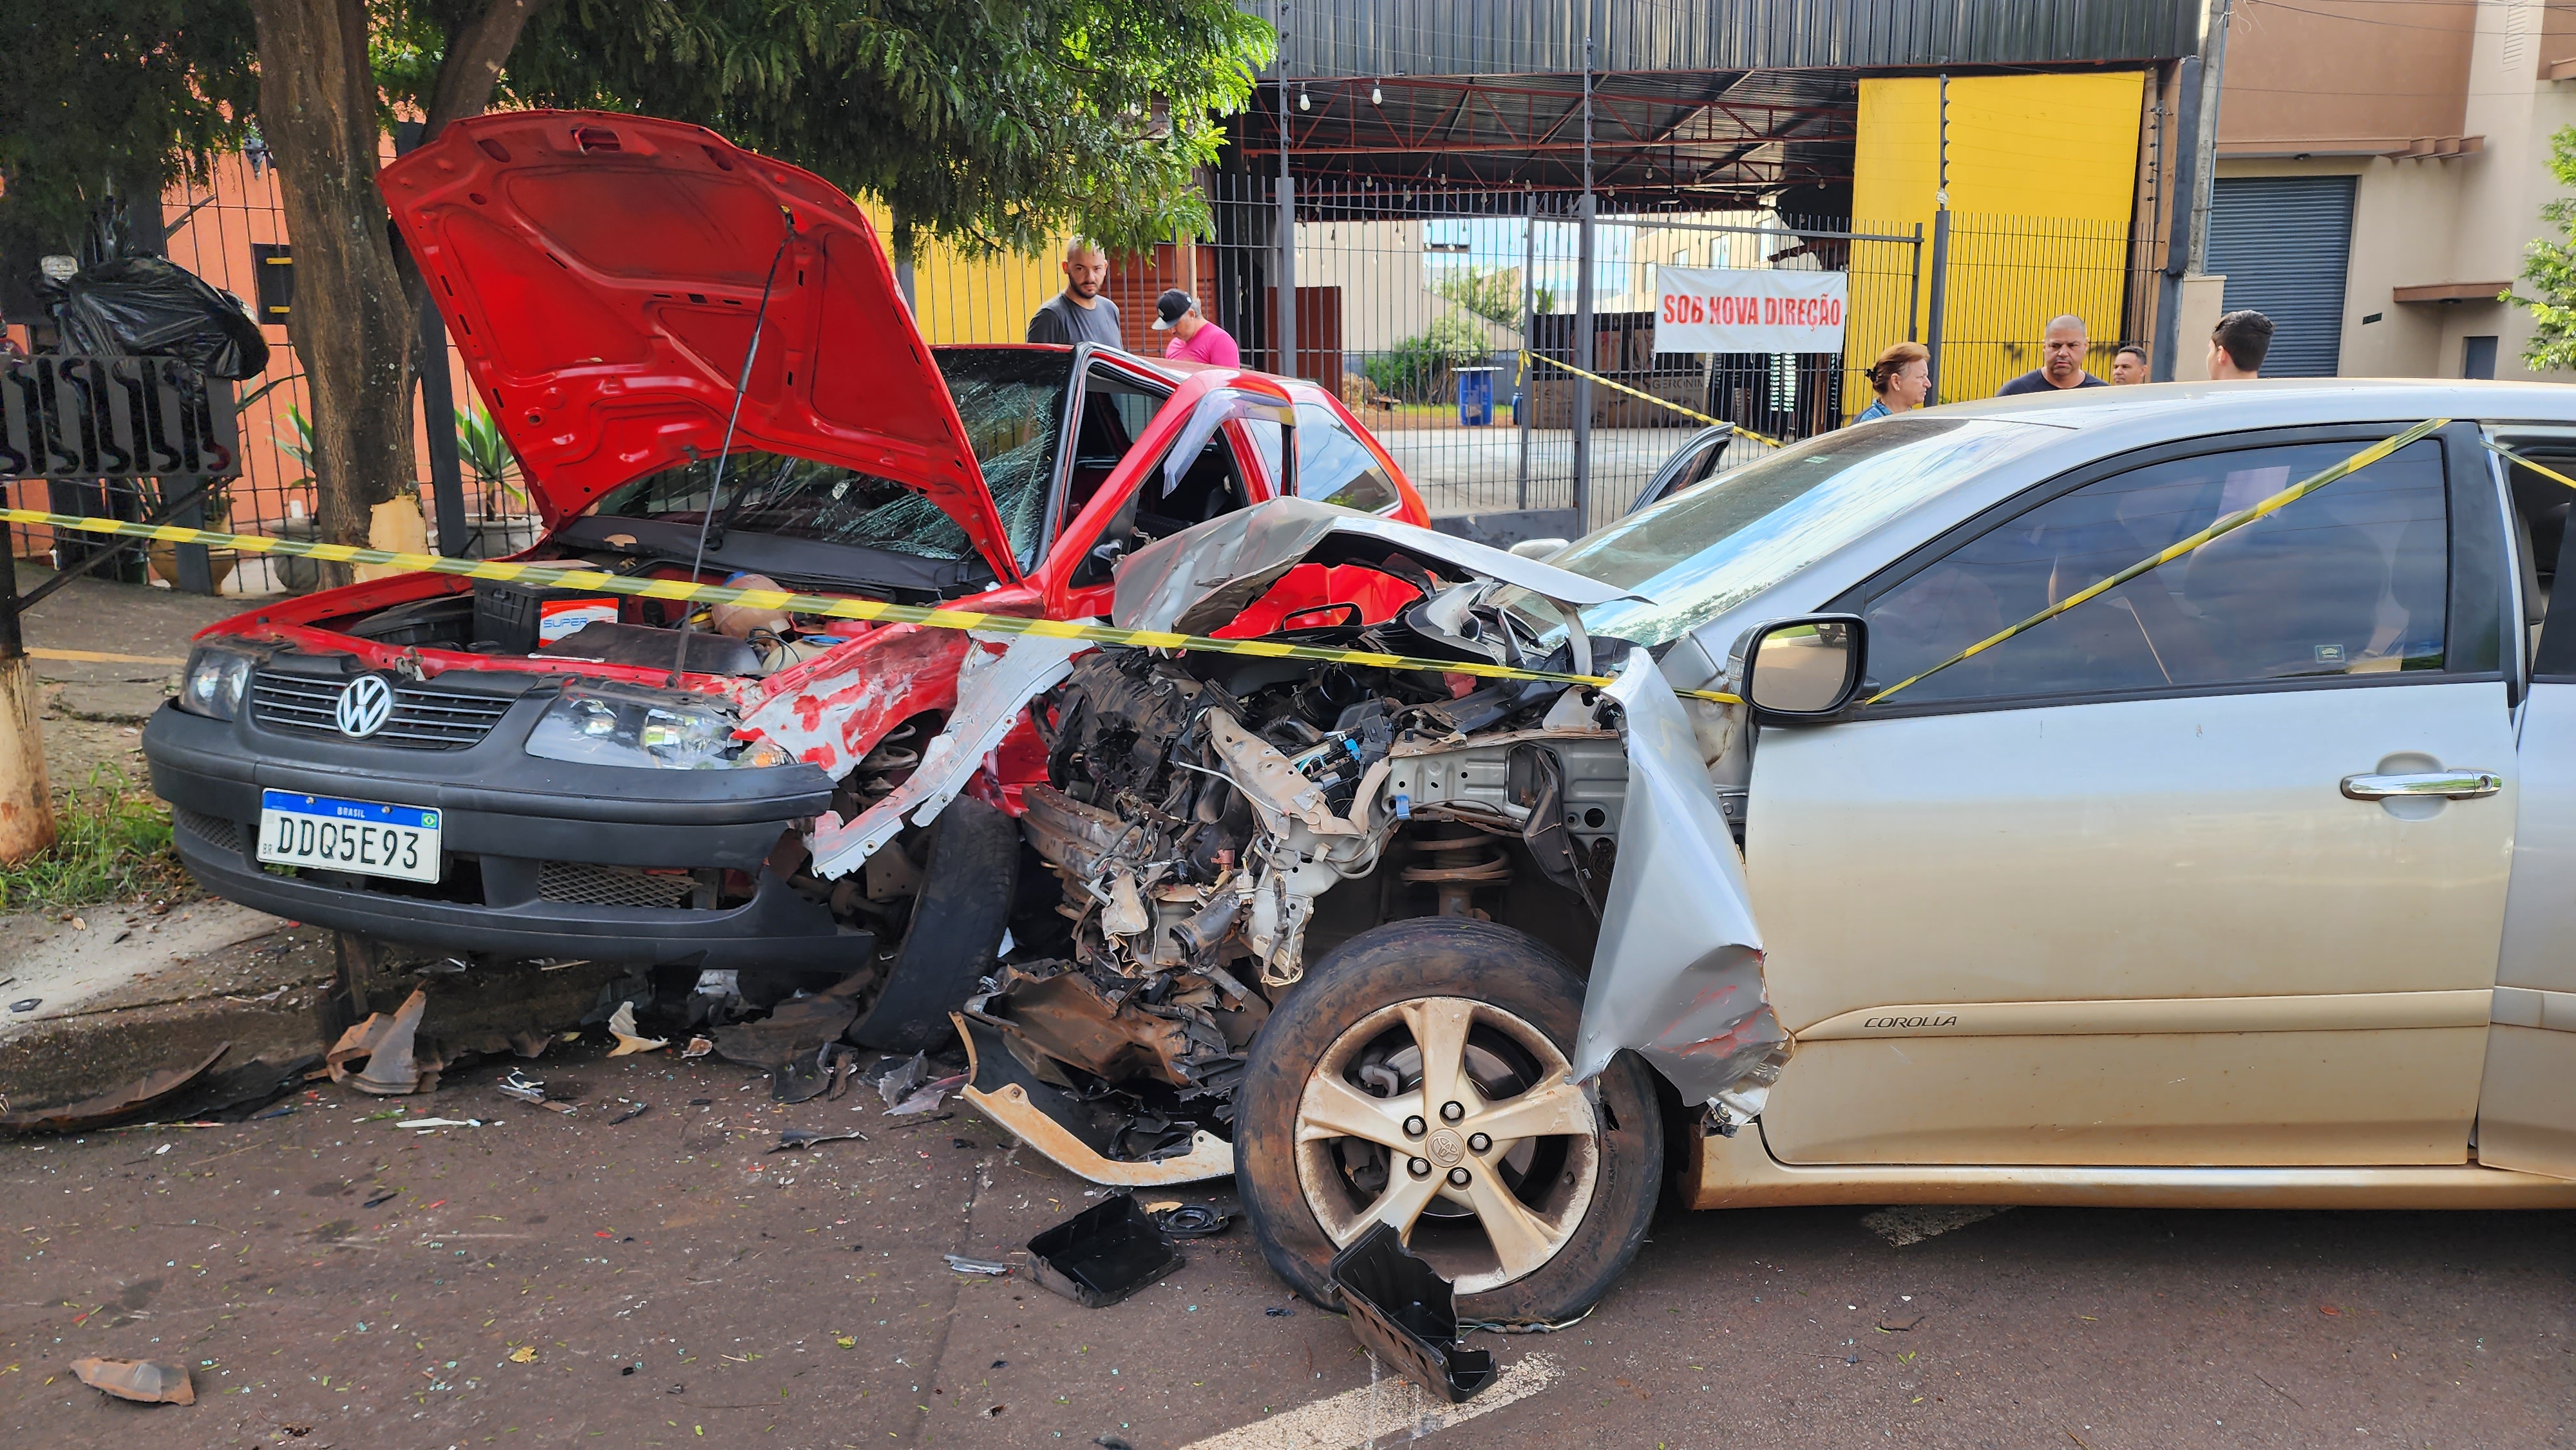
(609, 886)
(424, 718)
(215, 831)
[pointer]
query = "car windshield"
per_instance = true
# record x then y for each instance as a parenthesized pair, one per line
(1012, 403)
(1702, 552)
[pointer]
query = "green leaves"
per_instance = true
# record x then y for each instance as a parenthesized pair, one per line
(981, 121)
(2550, 269)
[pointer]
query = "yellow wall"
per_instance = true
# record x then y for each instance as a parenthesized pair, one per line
(2062, 149)
(963, 296)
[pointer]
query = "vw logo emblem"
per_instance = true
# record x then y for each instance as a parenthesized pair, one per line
(365, 706)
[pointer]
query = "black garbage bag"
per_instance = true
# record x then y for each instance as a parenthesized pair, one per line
(151, 307)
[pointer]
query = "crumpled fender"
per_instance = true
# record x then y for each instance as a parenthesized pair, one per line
(832, 711)
(1677, 972)
(999, 677)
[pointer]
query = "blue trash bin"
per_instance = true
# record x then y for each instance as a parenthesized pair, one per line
(1476, 397)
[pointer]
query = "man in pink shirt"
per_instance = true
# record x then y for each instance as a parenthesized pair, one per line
(1194, 338)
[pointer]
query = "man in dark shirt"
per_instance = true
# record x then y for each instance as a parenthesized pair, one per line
(1079, 313)
(2061, 362)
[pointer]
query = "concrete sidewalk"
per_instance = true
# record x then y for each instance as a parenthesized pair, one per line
(94, 709)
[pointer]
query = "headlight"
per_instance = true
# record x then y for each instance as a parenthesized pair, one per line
(609, 725)
(215, 678)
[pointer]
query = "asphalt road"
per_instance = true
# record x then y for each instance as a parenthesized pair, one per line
(335, 1280)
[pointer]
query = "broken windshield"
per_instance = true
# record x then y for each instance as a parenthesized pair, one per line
(1705, 550)
(1011, 400)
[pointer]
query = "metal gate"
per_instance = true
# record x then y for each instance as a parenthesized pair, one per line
(2284, 244)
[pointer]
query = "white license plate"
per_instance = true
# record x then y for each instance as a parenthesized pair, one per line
(344, 835)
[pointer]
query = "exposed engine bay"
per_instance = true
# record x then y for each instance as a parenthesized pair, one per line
(1219, 821)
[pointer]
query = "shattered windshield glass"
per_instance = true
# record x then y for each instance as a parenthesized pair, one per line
(771, 493)
(1703, 551)
(1012, 402)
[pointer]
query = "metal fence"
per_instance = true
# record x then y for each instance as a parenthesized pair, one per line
(1443, 316)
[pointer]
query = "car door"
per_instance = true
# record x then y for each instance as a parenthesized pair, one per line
(2527, 1104)
(1154, 489)
(2133, 887)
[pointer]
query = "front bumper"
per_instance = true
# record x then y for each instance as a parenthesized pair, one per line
(541, 858)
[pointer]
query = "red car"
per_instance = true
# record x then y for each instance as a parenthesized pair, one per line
(477, 767)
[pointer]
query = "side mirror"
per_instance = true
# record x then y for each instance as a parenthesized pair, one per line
(1805, 668)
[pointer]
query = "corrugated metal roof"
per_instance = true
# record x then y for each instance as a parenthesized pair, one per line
(1526, 37)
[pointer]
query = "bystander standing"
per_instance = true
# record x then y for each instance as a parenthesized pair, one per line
(1079, 313)
(2129, 364)
(1194, 338)
(2061, 361)
(1901, 377)
(2237, 346)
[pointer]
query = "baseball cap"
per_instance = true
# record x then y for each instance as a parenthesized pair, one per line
(1171, 307)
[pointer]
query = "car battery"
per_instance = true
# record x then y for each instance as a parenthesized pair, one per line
(515, 619)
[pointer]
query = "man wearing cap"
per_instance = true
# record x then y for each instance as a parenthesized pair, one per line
(1194, 338)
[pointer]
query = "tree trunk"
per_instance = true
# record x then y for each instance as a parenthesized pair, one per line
(351, 328)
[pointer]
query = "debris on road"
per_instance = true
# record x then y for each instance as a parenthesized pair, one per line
(1407, 1315)
(637, 1111)
(146, 1381)
(927, 1097)
(396, 1062)
(108, 1107)
(964, 1265)
(528, 1090)
(807, 1137)
(621, 1025)
(1102, 1254)
(1189, 1220)
(446, 1123)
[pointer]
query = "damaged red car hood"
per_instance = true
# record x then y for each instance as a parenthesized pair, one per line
(601, 274)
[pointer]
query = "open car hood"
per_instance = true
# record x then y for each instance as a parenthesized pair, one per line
(601, 274)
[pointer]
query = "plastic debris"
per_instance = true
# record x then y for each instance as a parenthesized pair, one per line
(390, 1046)
(1190, 1220)
(528, 1090)
(898, 1084)
(1407, 1315)
(621, 1025)
(808, 1137)
(1102, 1254)
(26, 1004)
(965, 1265)
(637, 1111)
(927, 1097)
(443, 1123)
(698, 1047)
(388, 1196)
(147, 1381)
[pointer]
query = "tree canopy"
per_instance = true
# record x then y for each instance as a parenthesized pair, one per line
(2549, 265)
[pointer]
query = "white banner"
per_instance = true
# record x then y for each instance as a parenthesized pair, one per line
(1744, 310)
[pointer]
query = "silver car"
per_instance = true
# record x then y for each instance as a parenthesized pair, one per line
(2242, 881)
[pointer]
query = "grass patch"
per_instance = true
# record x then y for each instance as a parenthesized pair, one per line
(112, 843)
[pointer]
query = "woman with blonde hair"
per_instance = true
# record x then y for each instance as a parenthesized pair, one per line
(1902, 378)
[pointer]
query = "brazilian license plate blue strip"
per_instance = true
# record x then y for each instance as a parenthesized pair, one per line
(364, 837)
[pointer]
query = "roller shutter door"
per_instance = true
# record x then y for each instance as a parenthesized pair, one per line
(2284, 244)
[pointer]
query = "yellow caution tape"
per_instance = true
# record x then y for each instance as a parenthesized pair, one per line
(1527, 357)
(96, 657)
(558, 576)
(2500, 450)
(2178, 549)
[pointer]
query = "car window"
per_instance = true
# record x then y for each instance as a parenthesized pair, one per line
(1335, 467)
(1012, 403)
(2349, 580)
(1116, 407)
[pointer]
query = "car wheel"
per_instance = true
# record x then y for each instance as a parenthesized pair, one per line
(969, 878)
(1418, 1077)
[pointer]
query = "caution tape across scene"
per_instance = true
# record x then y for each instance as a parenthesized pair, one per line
(549, 576)
(1528, 357)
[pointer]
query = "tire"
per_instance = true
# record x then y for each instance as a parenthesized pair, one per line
(1355, 1011)
(969, 878)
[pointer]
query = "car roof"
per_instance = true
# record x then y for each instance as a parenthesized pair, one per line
(2223, 407)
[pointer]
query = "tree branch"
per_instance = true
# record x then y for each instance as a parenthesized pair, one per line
(471, 69)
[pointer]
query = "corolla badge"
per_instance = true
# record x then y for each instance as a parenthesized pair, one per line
(365, 706)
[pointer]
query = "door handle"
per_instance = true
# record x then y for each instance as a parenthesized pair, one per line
(2450, 785)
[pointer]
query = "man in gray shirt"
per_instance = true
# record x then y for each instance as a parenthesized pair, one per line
(1079, 313)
